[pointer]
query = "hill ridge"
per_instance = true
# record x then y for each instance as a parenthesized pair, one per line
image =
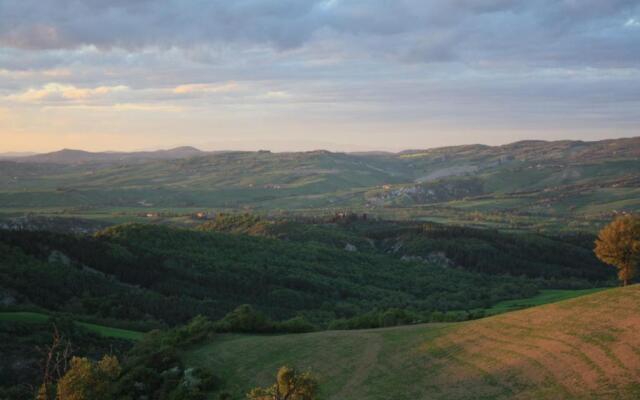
(79, 156)
(519, 143)
(567, 184)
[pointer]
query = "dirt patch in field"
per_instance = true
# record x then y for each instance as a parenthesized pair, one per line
(582, 348)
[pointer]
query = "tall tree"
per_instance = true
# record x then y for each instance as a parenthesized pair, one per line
(55, 364)
(618, 244)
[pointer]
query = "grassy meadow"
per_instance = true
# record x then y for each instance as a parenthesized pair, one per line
(544, 297)
(582, 348)
(106, 331)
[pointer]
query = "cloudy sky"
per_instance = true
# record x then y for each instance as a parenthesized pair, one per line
(306, 74)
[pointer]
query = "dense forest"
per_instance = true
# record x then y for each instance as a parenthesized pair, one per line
(557, 257)
(322, 271)
(170, 275)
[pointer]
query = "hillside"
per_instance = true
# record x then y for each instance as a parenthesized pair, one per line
(16, 154)
(156, 273)
(584, 348)
(254, 275)
(570, 185)
(480, 250)
(70, 156)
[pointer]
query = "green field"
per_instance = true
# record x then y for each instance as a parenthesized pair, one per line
(583, 348)
(544, 297)
(107, 331)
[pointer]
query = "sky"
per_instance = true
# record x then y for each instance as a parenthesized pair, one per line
(346, 75)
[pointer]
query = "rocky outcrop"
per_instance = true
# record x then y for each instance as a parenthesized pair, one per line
(350, 247)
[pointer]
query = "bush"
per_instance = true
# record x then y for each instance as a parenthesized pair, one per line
(154, 368)
(245, 319)
(294, 325)
(378, 319)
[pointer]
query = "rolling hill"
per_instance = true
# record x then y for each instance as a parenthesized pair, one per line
(525, 185)
(584, 348)
(256, 275)
(16, 154)
(70, 156)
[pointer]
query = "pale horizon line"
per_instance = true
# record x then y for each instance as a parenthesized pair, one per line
(206, 149)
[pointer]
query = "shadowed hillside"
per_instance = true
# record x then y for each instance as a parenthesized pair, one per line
(585, 348)
(147, 272)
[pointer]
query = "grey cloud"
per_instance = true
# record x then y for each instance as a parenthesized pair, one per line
(475, 59)
(52, 24)
(548, 31)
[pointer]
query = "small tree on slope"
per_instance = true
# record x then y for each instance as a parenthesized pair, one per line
(618, 244)
(290, 385)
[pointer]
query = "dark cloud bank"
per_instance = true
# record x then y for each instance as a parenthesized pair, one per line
(549, 32)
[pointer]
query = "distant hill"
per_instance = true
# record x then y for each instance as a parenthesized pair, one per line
(527, 150)
(70, 156)
(584, 348)
(523, 185)
(15, 154)
(539, 150)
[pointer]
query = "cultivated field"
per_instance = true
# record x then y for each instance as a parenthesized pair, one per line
(107, 331)
(584, 348)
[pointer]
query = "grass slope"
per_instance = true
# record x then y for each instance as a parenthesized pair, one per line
(106, 331)
(544, 297)
(586, 348)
